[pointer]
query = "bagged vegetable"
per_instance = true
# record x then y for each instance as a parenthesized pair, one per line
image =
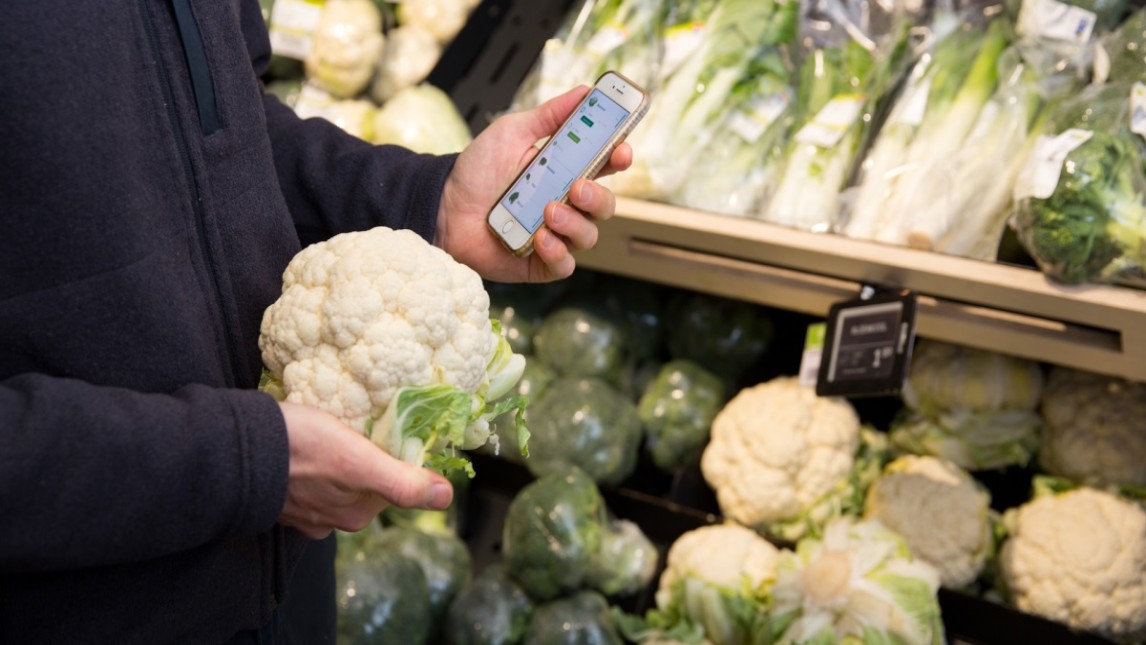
(382, 596)
(587, 423)
(424, 119)
(583, 617)
(493, 610)
(407, 59)
(1081, 198)
(677, 410)
(972, 407)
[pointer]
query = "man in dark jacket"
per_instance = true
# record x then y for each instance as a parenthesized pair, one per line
(151, 196)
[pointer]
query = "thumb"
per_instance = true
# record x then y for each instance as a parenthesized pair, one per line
(543, 120)
(407, 485)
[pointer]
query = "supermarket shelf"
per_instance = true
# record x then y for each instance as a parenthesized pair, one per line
(1008, 309)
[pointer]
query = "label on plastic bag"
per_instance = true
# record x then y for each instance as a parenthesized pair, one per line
(1056, 21)
(292, 26)
(1138, 110)
(831, 122)
(1040, 175)
(680, 42)
(752, 122)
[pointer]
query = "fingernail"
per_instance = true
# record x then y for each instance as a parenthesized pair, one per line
(440, 496)
(583, 191)
(548, 240)
(558, 216)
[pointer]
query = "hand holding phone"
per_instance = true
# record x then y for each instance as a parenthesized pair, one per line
(579, 149)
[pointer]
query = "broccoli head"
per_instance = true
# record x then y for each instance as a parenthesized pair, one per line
(581, 619)
(1093, 227)
(382, 594)
(493, 610)
(584, 422)
(553, 529)
(677, 410)
(443, 558)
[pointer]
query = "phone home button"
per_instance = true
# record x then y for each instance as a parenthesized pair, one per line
(505, 227)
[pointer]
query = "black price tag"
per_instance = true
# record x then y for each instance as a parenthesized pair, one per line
(867, 346)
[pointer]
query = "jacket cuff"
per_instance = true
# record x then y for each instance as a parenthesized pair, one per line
(264, 461)
(433, 170)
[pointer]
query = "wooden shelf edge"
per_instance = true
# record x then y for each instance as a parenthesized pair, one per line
(1001, 308)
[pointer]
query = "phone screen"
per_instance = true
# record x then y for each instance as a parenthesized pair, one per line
(567, 155)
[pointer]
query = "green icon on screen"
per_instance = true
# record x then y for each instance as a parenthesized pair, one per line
(575, 138)
(592, 101)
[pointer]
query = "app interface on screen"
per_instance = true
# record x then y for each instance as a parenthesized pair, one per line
(568, 154)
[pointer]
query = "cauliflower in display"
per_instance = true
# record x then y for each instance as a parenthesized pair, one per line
(785, 461)
(391, 335)
(441, 18)
(346, 45)
(940, 511)
(1079, 558)
(857, 584)
(716, 581)
(408, 58)
(969, 406)
(1094, 428)
(424, 119)
(355, 116)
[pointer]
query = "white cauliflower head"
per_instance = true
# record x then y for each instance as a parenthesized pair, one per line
(408, 58)
(1079, 558)
(441, 18)
(941, 512)
(1094, 428)
(711, 574)
(776, 449)
(346, 46)
(364, 314)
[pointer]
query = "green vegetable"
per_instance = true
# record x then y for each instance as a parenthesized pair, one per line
(1093, 226)
(584, 422)
(493, 610)
(740, 39)
(382, 595)
(626, 562)
(972, 407)
(857, 584)
(443, 558)
(722, 335)
(534, 380)
(553, 529)
(677, 410)
(581, 619)
(583, 341)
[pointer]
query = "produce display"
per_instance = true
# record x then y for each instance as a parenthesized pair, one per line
(931, 129)
(362, 65)
(822, 529)
(928, 125)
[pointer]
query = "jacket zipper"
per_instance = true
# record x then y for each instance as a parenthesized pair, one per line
(196, 199)
(197, 66)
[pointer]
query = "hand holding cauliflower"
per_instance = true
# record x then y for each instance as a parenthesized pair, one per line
(392, 336)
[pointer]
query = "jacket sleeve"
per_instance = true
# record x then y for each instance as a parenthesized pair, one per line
(101, 475)
(334, 182)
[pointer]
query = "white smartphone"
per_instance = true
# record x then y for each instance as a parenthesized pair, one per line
(579, 149)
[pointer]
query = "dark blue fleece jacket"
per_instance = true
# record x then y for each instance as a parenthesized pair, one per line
(150, 197)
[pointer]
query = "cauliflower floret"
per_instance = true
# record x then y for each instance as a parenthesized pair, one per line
(345, 48)
(1079, 558)
(365, 314)
(1094, 428)
(941, 512)
(777, 449)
